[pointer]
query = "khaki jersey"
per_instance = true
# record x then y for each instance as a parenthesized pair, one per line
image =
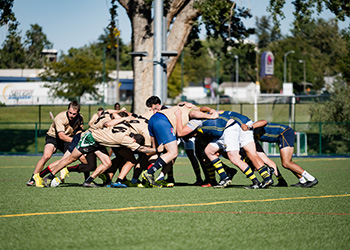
(115, 137)
(140, 126)
(61, 123)
(100, 120)
(148, 114)
(170, 114)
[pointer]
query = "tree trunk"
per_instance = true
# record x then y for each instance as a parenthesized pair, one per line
(180, 15)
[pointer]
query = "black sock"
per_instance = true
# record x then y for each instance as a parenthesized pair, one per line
(51, 176)
(157, 165)
(45, 172)
(119, 180)
(89, 179)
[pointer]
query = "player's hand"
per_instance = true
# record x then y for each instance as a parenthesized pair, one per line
(178, 113)
(244, 127)
(160, 148)
(215, 114)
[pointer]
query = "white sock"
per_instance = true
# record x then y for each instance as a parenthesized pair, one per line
(161, 176)
(308, 176)
(302, 180)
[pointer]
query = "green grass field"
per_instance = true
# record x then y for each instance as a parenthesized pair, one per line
(183, 217)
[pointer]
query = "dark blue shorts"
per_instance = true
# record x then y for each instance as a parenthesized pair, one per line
(74, 142)
(161, 129)
(286, 139)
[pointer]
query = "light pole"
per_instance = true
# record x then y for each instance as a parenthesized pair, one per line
(237, 75)
(285, 64)
(304, 82)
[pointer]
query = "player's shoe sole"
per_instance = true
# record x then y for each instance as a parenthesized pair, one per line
(64, 173)
(310, 184)
(223, 183)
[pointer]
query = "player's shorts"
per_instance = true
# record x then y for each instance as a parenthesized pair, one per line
(74, 142)
(58, 143)
(234, 138)
(286, 139)
(87, 144)
(161, 129)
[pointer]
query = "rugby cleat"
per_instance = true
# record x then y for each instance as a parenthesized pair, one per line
(198, 183)
(270, 170)
(64, 173)
(31, 182)
(51, 182)
(164, 183)
(223, 183)
(206, 185)
(38, 180)
(256, 185)
(310, 184)
(266, 183)
(90, 185)
(299, 184)
(118, 185)
(149, 178)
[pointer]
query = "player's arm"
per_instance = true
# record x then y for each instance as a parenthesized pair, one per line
(180, 129)
(196, 114)
(257, 124)
(116, 121)
(64, 137)
(151, 151)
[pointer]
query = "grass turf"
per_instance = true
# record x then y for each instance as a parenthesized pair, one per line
(183, 217)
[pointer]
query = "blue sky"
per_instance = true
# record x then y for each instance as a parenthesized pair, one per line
(75, 23)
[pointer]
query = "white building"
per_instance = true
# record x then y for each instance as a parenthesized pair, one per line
(24, 87)
(240, 92)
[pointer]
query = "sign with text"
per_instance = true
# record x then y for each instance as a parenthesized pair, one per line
(267, 64)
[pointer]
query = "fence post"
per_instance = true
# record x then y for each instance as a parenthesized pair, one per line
(320, 137)
(36, 138)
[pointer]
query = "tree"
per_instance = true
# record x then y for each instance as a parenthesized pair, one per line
(12, 52)
(337, 109)
(6, 13)
(75, 74)
(181, 16)
(35, 42)
(304, 9)
(265, 33)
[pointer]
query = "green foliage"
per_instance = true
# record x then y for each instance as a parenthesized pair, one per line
(13, 52)
(344, 59)
(28, 54)
(304, 9)
(6, 13)
(265, 33)
(35, 42)
(224, 19)
(76, 73)
(322, 48)
(337, 109)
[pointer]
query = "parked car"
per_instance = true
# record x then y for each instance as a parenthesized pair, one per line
(225, 99)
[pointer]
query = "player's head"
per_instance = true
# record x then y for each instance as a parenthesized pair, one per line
(99, 111)
(154, 103)
(73, 110)
(123, 114)
(138, 138)
(117, 106)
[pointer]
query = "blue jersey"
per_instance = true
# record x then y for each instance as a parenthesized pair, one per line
(215, 127)
(239, 118)
(279, 133)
